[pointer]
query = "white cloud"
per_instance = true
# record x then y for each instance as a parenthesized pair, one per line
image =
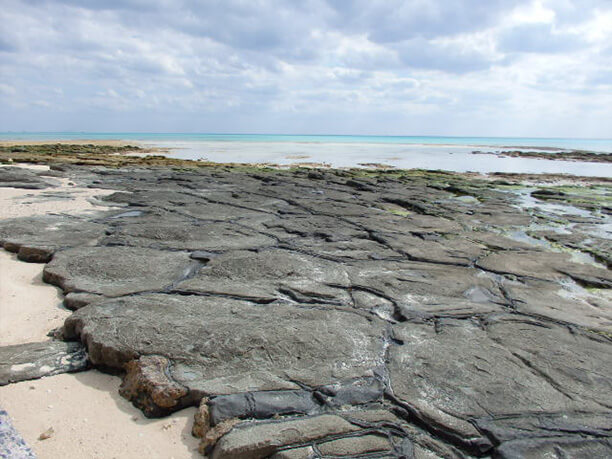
(532, 13)
(411, 66)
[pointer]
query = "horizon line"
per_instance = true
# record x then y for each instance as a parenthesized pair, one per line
(303, 135)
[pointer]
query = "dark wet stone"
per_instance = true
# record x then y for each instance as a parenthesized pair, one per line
(260, 405)
(21, 362)
(357, 392)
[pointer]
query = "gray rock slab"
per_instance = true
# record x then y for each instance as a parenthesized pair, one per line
(562, 302)
(555, 447)
(425, 289)
(352, 446)
(262, 440)
(529, 426)
(272, 274)
(35, 239)
(327, 228)
(18, 177)
(187, 235)
(219, 211)
(454, 371)
(452, 250)
(116, 271)
(553, 266)
(354, 249)
(21, 362)
(387, 222)
(212, 350)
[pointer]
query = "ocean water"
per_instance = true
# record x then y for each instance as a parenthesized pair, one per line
(428, 152)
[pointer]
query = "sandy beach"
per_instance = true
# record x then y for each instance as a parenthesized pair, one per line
(85, 411)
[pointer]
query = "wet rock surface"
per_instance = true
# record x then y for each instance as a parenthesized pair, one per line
(341, 313)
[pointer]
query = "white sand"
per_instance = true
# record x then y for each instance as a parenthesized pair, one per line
(18, 202)
(28, 307)
(89, 418)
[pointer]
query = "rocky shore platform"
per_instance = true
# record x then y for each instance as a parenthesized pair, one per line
(576, 155)
(336, 313)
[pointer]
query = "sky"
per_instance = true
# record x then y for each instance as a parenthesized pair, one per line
(390, 67)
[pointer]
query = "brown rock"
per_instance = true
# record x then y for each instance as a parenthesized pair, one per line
(46, 434)
(149, 387)
(211, 437)
(201, 423)
(263, 439)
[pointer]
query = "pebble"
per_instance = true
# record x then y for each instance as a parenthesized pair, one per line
(46, 434)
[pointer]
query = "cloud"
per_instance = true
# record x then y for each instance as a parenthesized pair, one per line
(538, 38)
(456, 56)
(398, 20)
(377, 66)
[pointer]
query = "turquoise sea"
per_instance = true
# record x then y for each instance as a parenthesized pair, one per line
(426, 152)
(600, 145)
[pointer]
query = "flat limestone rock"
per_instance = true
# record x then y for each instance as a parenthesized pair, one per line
(425, 289)
(594, 239)
(17, 177)
(269, 275)
(187, 235)
(567, 303)
(356, 445)
(532, 426)
(21, 362)
(320, 226)
(115, 271)
(552, 266)
(460, 370)
(261, 440)
(555, 447)
(35, 239)
(223, 346)
(452, 250)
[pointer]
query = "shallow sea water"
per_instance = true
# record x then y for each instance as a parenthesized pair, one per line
(406, 152)
(457, 158)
